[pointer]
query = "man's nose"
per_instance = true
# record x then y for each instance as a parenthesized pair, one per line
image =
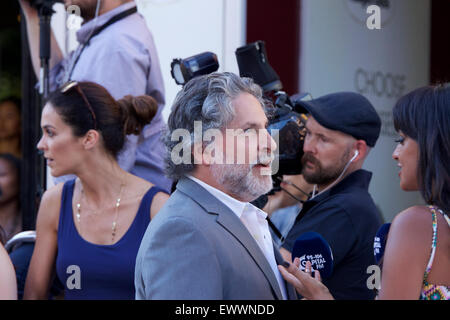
(269, 142)
(308, 146)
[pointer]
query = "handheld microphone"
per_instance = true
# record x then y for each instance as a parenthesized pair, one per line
(379, 243)
(312, 247)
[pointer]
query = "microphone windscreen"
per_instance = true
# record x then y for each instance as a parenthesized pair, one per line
(379, 243)
(311, 246)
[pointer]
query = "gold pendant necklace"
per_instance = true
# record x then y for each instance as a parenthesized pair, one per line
(114, 223)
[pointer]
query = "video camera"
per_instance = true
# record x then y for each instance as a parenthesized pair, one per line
(287, 119)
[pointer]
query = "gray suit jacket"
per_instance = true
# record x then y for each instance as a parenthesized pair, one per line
(197, 248)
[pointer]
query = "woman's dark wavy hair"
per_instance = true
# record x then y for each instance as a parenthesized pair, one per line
(424, 115)
(114, 119)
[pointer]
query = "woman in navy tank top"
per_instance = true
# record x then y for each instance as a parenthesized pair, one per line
(89, 229)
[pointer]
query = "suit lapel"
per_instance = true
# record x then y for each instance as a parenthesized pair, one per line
(234, 226)
(230, 222)
(290, 290)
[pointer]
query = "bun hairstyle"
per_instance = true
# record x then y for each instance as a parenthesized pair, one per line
(112, 119)
(137, 112)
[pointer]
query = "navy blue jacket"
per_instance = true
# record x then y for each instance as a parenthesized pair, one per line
(346, 216)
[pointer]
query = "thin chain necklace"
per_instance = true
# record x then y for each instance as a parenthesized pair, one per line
(114, 223)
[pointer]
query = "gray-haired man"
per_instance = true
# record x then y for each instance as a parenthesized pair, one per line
(208, 241)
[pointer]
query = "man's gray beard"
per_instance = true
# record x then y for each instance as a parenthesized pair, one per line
(239, 180)
(323, 177)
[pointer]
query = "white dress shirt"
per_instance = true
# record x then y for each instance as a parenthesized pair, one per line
(255, 221)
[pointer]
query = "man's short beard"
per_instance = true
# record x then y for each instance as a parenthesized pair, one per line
(240, 181)
(324, 176)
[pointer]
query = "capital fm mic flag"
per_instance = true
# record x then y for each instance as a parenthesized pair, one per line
(379, 243)
(312, 247)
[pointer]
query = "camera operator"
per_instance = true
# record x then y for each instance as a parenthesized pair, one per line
(116, 50)
(341, 129)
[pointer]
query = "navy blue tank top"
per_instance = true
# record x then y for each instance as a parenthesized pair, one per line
(92, 271)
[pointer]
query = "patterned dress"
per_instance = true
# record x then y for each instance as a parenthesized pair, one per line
(432, 291)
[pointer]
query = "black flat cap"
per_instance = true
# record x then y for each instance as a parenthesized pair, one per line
(347, 112)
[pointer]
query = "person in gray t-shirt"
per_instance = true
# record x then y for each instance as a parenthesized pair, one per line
(123, 59)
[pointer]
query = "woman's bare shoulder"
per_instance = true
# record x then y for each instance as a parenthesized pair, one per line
(412, 216)
(54, 192)
(413, 224)
(142, 186)
(8, 289)
(50, 205)
(139, 184)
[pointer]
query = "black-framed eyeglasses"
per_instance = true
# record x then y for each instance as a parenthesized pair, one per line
(73, 84)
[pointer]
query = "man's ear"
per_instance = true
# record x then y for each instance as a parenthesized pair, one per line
(362, 149)
(90, 139)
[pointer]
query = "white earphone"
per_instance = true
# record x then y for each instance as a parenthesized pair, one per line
(354, 157)
(337, 180)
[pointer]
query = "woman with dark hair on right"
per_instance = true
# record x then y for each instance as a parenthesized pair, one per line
(417, 256)
(89, 229)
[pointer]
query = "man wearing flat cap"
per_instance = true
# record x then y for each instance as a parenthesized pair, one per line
(341, 129)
